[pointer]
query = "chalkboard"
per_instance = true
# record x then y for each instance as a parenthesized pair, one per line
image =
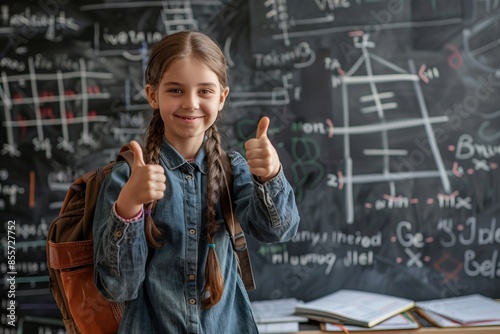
(386, 116)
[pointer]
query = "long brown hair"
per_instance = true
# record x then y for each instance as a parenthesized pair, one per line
(164, 53)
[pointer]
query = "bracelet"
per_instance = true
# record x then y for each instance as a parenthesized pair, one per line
(129, 220)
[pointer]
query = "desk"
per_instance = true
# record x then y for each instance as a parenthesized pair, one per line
(426, 330)
(313, 328)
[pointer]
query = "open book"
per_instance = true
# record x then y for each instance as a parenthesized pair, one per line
(464, 311)
(354, 307)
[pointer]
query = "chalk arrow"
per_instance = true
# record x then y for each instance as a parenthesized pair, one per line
(422, 75)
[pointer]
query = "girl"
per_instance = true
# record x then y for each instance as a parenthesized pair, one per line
(159, 236)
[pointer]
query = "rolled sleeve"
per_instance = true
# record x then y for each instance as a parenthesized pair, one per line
(120, 248)
(267, 211)
(267, 191)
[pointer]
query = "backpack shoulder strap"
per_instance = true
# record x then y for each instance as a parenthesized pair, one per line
(127, 154)
(236, 234)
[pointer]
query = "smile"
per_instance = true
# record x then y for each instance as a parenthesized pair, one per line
(188, 118)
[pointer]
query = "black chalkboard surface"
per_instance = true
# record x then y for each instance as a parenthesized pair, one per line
(386, 116)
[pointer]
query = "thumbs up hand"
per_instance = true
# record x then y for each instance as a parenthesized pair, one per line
(261, 155)
(146, 184)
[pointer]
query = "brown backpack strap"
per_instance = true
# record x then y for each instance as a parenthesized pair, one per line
(127, 154)
(236, 234)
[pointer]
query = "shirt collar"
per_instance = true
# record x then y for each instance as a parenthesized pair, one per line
(172, 159)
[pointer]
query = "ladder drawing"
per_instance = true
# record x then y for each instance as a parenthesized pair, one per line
(178, 16)
(379, 102)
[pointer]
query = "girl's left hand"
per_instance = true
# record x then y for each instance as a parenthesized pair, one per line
(261, 155)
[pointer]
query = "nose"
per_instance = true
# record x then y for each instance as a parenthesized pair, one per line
(190, 101)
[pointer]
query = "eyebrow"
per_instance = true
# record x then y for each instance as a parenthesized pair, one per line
(202, 84)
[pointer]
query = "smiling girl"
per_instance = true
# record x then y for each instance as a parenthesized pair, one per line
(160, 243)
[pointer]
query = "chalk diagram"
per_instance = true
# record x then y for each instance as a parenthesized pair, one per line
(383, 93)
(50, 108)
(378, 101)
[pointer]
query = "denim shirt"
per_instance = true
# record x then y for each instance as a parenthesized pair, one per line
(163, 288)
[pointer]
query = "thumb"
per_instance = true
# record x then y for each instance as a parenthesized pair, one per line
(138, 156)
(262, 127)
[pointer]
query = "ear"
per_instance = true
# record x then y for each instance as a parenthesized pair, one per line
(152, 96)
(223, 96)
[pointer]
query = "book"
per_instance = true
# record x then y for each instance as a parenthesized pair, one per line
(277, 315)
(464, 311)
(353, 307)
(276, 311)
(279, 327)
(403, 320)
(439, 321)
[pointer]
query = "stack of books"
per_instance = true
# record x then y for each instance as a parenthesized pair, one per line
(465, 311)
(277, 316)
(352, 310)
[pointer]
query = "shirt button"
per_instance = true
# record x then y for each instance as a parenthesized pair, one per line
(191, 277)
(192, 231)
(118, 234)
(192, 301)
(188, 177)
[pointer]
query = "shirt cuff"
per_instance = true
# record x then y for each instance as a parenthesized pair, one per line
(130, 220)
(259, 180)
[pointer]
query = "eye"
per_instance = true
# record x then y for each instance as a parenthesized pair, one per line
(175, 91)
(206, 91)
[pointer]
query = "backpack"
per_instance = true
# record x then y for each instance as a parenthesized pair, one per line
(70, 254)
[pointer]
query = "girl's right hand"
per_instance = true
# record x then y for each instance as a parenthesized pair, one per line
(146, 184)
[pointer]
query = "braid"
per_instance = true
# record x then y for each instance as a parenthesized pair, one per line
(152, 156)
(215, 173)
(214, 282)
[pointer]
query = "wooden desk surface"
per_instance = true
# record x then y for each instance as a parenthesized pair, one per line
(313, 328)
(426, 330)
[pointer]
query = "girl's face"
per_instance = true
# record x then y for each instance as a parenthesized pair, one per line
(189, 97)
